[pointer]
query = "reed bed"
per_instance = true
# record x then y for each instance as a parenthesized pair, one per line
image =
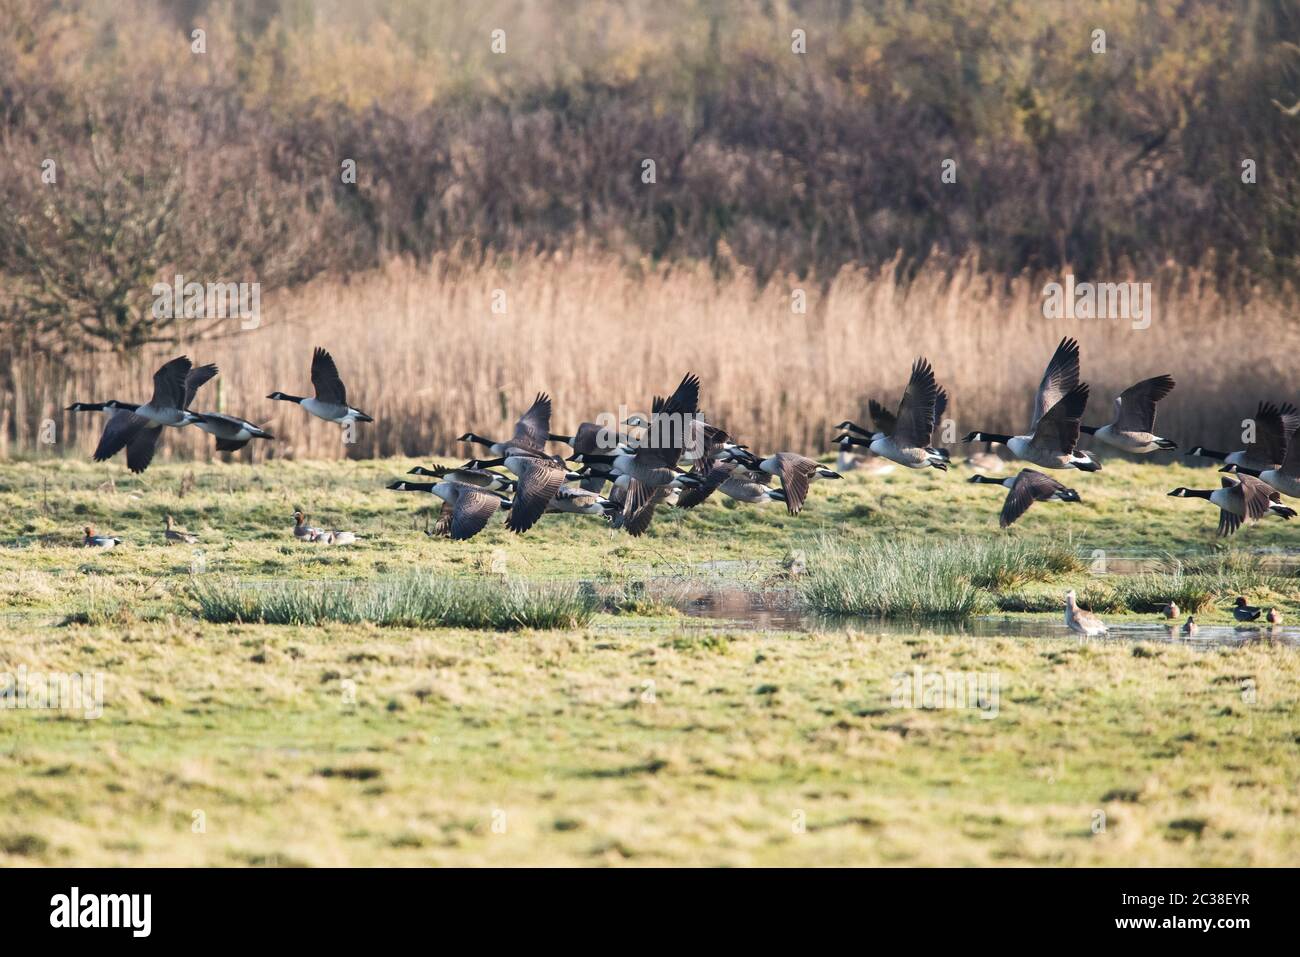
(409, 600)
(421, 349)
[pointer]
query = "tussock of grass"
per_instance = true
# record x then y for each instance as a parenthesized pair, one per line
(924, 577)
(1151, 592)
(412, 599)
(1003, 563)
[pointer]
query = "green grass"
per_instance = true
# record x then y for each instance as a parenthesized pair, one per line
(410, 599)
(926, 577)
(629, 735)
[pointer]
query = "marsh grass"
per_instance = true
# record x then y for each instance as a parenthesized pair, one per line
(924, 578)
(408, 600)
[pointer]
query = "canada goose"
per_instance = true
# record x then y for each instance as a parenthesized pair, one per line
(468, 507)
(173, 533)
(137, 428)
(1274, 427)
(905, 436)
(1274, 617)
(539, 477)
(578, 501)
(302, 531)
(1135, 417)
(846, 460)
(1286, 478)
(482, 478)
(1026, 488)
(1243, 612)
(1189, 628)
(98, 541)
(733, 480)
(795, 471)
(1058, 407)
(232, 433)
(1171, 610)
(1246, 499)
(1082, 622)
(331, 400)
(652, 466)
(531, 431)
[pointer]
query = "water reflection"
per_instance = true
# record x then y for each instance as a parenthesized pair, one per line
(778, 609)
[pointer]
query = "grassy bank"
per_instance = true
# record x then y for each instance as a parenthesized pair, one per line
(632, 746)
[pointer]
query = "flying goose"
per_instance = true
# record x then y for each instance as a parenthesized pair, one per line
(232, 433)
(904, 437)
(1285, 479)
(98, 541)
(795, 471)
(482, 478)
(651, 467)
(137, 428)
(1243, 612)
(469, 507)
(733, 480)
(1135, 417)
(331, 400)
(1079, 621)
(531, 431)
(302, 531)
(849, 461)
(173, 533)
(539, 476)
(1246, 499)
(1026, 488)
(1058, 407)
(1274, 427)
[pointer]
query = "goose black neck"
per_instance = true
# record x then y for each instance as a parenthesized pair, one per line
(985, 480)
(1211, 454)
(1199, 493)
(283, 397)
(477, 439)
(1088, 429)
(413, 487)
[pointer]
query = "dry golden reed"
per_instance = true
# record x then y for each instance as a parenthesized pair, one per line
(421, 350)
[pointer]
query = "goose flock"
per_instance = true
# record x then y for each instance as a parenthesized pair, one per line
(675, 458)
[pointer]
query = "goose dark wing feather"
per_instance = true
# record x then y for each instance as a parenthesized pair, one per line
(882, 418)
(140, 450)
(1137, 404)
(472, 512)
(1060, 377)
(916, 410)
(325, 378)
(534, 425)
(1029, 487)
(540, 480)
(195, 380)
(169, 383)
(119, 430)
(1058, 429)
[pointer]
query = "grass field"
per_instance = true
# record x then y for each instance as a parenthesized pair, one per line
(639, 737)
